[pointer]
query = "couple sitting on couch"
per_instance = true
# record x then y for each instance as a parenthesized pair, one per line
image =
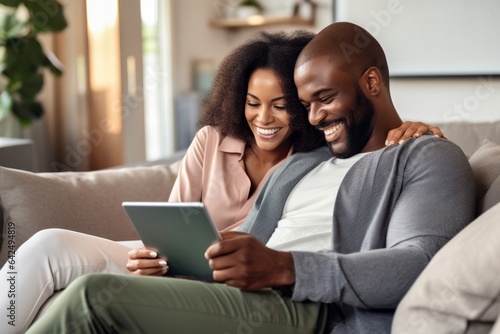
(334, 268)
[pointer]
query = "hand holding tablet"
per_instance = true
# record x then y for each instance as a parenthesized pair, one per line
(179, 232)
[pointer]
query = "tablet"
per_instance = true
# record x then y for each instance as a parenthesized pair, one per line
(178, 232)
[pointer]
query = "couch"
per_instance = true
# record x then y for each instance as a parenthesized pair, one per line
(90, 202)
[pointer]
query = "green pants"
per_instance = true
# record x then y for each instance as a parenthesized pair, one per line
(103, 303)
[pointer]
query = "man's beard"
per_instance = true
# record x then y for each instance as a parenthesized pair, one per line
(360, 130)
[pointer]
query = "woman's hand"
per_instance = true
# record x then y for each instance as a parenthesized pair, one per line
(143, 261)
(411, 129)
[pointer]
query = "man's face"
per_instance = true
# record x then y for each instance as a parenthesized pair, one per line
(336, 105)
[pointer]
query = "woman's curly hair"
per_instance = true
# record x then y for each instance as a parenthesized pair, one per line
(225, 106)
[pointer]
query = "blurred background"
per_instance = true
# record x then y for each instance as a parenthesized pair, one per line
(135, 72)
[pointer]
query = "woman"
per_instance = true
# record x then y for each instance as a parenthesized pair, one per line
(253, 120)
(235, 150)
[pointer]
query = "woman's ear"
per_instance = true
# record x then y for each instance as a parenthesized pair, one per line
(371, 81)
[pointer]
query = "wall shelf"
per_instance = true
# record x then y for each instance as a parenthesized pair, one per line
(259, 21)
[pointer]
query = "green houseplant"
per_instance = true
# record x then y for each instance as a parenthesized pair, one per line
(252, 3)
(22, 58)
(248, 8)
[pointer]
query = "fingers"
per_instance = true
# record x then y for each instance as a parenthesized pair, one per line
(150, 272)
(142, 253)
(437, 132)
(395, 135)
(144, 261)
(221, 248)
(147, 267)
(234, 272)
(417, 130)
(231, 241)
(254, 269)
(411, 129)
(228, 256)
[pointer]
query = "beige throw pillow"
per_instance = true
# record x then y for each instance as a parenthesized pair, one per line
(485, 163)
(460, 288)
(88, 202)
(491, 198)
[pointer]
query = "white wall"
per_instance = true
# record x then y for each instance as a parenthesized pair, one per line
(429, 99)
(194, 38)
(435, 100)
(427, 37)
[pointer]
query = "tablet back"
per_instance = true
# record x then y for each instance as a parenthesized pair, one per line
(179, 232)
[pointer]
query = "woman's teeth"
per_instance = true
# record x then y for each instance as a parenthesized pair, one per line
(268, 131)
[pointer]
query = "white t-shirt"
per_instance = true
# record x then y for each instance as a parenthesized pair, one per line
(306, 223)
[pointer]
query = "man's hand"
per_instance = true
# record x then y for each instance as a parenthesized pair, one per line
(242, 261)
(142, 261)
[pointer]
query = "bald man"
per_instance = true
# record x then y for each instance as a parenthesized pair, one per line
(333, 242)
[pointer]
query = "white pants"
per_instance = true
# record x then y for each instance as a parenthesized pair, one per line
(50, 261)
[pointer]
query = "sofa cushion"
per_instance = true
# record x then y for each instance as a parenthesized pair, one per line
(88, 202)
(459, 289)
(491, 197)
(485, 163)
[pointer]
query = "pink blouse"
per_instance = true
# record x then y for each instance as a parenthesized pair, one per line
(213, 172)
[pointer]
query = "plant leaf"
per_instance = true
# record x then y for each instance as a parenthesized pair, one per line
(11, 3)
(253, 3)
(11, 26)
(31, 86)
(27, 112)
(46, 15)
(23, 57)
(14, 85)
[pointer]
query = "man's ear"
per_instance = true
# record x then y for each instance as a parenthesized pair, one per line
(371, 81)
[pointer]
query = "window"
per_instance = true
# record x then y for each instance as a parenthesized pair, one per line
(158, 95)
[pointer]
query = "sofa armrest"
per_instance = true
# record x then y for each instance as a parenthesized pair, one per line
(88, 202)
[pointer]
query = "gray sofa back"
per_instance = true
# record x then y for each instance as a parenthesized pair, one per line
(470, 136)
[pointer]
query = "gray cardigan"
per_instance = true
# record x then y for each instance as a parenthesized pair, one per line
(395, 209)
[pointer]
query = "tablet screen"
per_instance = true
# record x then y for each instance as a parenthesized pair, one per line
(178, 232)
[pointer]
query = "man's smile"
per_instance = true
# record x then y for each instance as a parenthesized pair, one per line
(331, 130)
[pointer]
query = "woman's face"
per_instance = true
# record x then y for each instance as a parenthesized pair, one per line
(265, 111)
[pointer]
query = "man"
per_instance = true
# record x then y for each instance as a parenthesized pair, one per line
(392, 209)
